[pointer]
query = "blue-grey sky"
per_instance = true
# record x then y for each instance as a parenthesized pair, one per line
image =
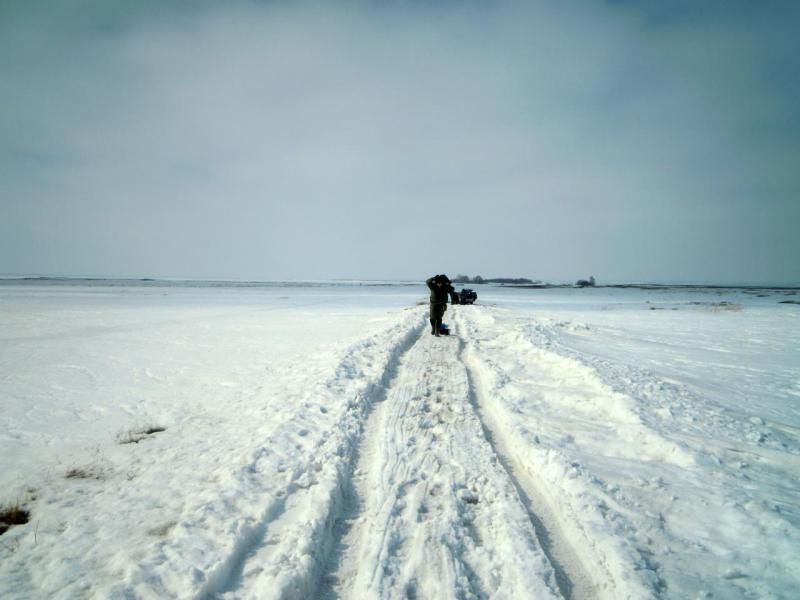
(636, 141)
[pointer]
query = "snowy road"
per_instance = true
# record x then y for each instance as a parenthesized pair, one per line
(435, 515)
(423, 506)
(435, 502)
(557, 453)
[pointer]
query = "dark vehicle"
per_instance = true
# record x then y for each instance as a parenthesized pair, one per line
(466, 296)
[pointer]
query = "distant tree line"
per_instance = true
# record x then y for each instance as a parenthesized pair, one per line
(478, 279)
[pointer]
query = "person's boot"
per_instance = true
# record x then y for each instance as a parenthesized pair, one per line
(438, 328)
(433, 327)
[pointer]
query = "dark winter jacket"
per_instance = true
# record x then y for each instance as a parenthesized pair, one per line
(439, 294)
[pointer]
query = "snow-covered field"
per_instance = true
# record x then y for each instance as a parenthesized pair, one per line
(318, 442)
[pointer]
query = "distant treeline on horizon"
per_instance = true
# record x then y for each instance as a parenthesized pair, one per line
(478, 279)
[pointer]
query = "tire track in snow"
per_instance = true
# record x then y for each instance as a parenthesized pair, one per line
(573, 581)
(519, 392)
(431, 513)
(375, 457)
(353, 489)
(258, 565)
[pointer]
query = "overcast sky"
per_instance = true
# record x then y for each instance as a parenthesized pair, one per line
(635, 141)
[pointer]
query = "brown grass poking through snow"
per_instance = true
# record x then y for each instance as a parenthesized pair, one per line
(90, 472)
(12, 514)
(77, 474)
(137, 434)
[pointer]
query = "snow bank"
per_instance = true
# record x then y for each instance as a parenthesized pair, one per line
(665, 443)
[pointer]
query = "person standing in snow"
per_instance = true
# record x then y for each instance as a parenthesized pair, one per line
(440, 288)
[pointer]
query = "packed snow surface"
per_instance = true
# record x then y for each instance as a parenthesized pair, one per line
(315, 441)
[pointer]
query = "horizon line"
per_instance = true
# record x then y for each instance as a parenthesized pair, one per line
(542, 283)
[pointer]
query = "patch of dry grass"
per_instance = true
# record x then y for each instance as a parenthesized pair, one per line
(139, 433)
(13, 514)
(91, 472)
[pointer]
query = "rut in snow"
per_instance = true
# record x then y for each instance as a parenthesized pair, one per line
(431, 510)
(515, 388)
(282, 553)
(573, 582)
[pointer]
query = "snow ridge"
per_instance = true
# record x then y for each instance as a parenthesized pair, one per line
(292, 485)
(586, 524)
(572, 580)
(730, 519)
(299, 557)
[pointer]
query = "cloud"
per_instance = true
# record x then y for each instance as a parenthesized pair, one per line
(382, 139)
